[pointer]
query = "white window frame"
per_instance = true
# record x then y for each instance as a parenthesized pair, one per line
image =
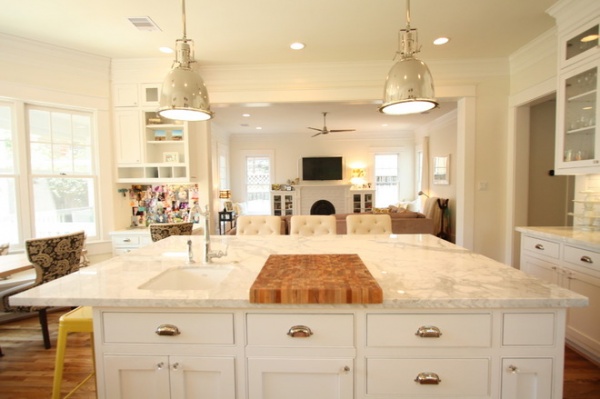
(24, 177)
(258, 153)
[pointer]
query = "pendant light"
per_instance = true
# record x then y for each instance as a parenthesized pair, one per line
(183, 95)
(409, 85)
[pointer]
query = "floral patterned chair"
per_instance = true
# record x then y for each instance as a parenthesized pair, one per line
(158, 231)
(52, 258)
(4, 248)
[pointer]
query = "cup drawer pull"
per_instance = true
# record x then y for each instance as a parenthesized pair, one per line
(586, 259)
(539, 246)
(428, 332)
(167, 329)
(299, 332)
(428, 378)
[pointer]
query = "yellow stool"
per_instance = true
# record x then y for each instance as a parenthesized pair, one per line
(77, 320)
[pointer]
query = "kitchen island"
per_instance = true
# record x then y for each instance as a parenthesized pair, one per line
(452, 324)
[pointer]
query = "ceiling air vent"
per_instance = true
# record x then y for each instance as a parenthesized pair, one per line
(144, 24)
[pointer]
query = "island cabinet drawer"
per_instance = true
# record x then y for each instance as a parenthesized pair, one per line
(582, 257)
(300, 330)
(541, 247)
(168, 328)
(428, 378)
(429, 330)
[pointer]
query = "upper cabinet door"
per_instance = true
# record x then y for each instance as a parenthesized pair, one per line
(579, 44)
(125, 95)
(577, 144)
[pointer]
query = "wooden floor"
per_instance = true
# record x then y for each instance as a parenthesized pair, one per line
(26, 370)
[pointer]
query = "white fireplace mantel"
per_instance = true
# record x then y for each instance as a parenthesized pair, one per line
(337, 194)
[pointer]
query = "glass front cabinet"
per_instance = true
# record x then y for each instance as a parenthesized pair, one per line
(282, 203)
(577, 141)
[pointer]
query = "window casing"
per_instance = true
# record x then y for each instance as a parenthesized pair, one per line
(48, 175)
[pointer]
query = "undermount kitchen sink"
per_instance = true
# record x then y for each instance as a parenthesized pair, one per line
(188, 278)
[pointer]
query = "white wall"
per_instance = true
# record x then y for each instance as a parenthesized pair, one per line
(289, 149)
(442, 143)
(38, 73)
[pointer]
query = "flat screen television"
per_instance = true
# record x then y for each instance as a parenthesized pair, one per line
(322, 168)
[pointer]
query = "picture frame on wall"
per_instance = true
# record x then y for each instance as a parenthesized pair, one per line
(441, 170)
(170, 157)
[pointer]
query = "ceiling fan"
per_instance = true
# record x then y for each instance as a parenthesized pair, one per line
(324, 130)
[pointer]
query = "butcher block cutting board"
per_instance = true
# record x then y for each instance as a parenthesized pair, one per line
(299, 279)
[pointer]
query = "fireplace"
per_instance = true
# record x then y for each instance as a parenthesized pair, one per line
(337, 195)
(322, 207)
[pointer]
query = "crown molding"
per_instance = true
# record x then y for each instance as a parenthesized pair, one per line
(538, 50)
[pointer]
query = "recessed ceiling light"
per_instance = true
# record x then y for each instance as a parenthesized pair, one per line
(258, 128)
(246, 115)
(297, 46)
(166, 50)
(441, 40)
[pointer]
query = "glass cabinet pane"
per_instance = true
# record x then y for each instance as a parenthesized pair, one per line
(580, 116)
(582, 42)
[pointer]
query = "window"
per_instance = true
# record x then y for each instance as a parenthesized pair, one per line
(258, 185)
(62, 171)
(9, 217)
(387, 186)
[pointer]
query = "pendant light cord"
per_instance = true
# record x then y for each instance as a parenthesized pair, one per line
(183, 16)
(407, 14)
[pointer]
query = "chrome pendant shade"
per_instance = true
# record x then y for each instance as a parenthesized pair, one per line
(183, 95)
(409, 84)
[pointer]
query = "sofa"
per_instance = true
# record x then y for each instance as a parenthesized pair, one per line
(403, 222)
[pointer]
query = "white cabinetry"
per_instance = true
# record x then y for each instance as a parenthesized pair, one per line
(300, 356)
(575, 268)
(150, 148)
(128, 240)
(325, 353)
(166, 355)
(362, 200)
(578, 113)
(283, 203)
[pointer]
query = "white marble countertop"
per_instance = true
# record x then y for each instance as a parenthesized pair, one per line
(414, 271)
(567, 234)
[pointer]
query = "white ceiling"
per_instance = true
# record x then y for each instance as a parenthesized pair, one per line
(229, 32)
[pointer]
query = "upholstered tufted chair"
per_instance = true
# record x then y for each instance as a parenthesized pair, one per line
(369, 224)
(313, 225)
(158, 231)
(258, 225)
(52, 258)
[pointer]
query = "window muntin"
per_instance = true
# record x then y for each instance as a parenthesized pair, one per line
(258, 185)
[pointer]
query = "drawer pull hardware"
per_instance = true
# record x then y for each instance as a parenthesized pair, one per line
(160, 366)
(167, 329)
(299, 332)
(586, 259)
(428, 332)
(175, 366)
(539, 246)
(512, 369)
(346, 369)
(127, 240)
(428, 378)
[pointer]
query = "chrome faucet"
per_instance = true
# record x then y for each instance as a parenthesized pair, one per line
(208, 254)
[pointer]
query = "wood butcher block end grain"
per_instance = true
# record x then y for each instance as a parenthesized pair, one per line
(305, 279)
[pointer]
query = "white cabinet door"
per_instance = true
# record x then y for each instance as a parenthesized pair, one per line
(125, 95)
(162, 377)
(582, 323)
(136, 377)
(128, 136)
(202, 377)
(527, 379)
(277, 378)
(541, 269)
